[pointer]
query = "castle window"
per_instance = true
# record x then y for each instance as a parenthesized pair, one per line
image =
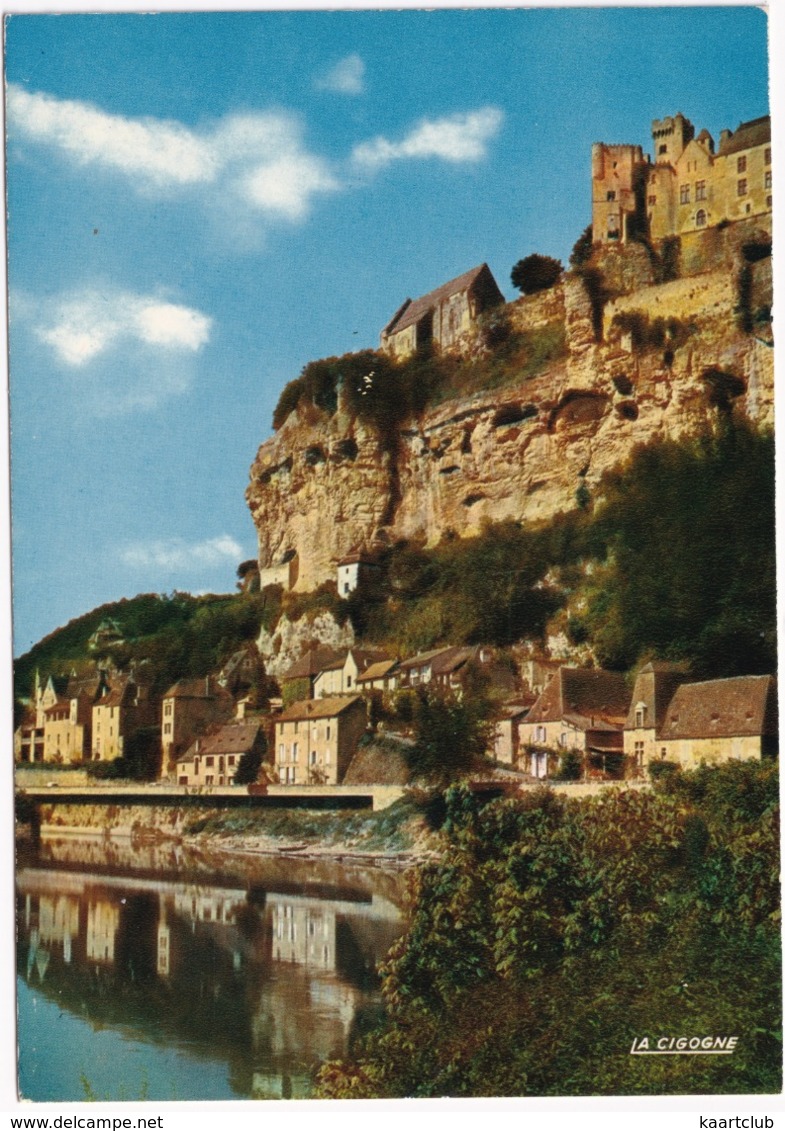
(767, 179)
(684, 194)
(662, 149)
(741, 188)
(611, 195)
(768, 202)
(767, 156)
(700, 219)
(700, 190)
(652, 200)
(654, 178)
(741, 165)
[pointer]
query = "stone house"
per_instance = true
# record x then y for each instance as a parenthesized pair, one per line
(316, 739)
(189, 708)
(444, 317)
(125, 707)
(655, 685)
(214, 758)
(283, 572)
(380, 676)
(449, 668)
(721, 720)
(341, 675)
(507, 731)
(305, 672)
(358, 569)
(67, 705)
(580, 709)
(687, 187)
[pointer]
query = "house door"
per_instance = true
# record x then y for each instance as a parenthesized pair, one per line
(539, 764)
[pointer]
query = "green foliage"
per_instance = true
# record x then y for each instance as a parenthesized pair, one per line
(536, 273)
(451, 734)
(582, 249)
(251, 762)
(570, 766)
(553, 931)
(646, 333)
(140, 762)
(688, 531)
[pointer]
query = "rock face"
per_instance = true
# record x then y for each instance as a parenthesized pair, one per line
(324, 485)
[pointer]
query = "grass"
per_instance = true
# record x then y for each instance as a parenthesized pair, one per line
(390, 830)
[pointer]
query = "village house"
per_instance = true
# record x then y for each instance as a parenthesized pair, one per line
(315, 740)
(507, 732)
(581, 709)
(304, 672)
(66, 704)
(381, 676)
(450, 668)
(341, 675)
(214, 758)
(687, 187)
(655, 685)
(444, 317)
(357, 570)
(720, 720)
(124, 708)
(189, 707)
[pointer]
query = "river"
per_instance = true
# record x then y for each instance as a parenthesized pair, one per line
(163, 974)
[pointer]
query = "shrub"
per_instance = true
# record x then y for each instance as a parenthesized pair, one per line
(536, 273)
(583, 248)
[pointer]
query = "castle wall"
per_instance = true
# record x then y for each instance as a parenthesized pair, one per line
(708, 296)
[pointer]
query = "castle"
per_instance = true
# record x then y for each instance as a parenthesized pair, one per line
(687, 187)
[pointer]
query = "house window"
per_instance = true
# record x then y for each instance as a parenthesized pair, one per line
(167, 708)
(768, 202)
(767, 179)
(767, 156)
(294, 751)
(167, 728)
(741, 165)
(611, 195)
(684, 194)
(741, 187)
(313, 757)
(700, 219)
(652, 200)
(348, 681)
(700, 190)
(640, 716)
(209, 761)
(328, 732)
(539, 734)
(230, 760)
(654, 178)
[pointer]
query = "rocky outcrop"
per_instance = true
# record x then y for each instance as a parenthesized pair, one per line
(325, 484)
(290, 639)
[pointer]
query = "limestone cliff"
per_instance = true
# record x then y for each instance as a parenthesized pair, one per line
(324, 484)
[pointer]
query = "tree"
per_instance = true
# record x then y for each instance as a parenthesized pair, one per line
(582, 251)
(450, 735)
(535, 273)
(251, 761)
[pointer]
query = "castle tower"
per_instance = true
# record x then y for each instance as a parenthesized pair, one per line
(670, 137)
(616, 183)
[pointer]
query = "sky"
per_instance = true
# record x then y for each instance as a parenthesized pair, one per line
(199, 204)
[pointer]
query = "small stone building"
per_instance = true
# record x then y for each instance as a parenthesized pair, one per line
(443, 317)
(316, 739)
(721, 720)
(655, 686)
(215, 758)
(189, 708)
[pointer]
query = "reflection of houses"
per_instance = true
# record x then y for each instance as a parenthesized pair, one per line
(316, 739)
(443, 317)
(189, 707)
(654, 687)
(581, 710)
(214, 759)
(103, 922)
(303, 933)
(58, 922)
(124, 708)
(341, 675)
(721, 720)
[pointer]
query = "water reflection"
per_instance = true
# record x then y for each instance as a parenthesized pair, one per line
(265, 969)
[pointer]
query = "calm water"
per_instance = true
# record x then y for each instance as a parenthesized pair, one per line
(155, 974)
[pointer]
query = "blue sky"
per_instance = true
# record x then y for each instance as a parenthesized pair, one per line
(199, 204)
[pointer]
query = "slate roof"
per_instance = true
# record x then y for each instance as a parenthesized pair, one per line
(747, 136)
(201, 688)
(655, 685)
(234, 738)
(315, 660)
(589, 696)
(723, 708)
(412, 311)
(326, 708)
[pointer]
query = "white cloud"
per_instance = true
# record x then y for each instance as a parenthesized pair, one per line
(81, 327)
(259, 159)
(121, 350)
(346, 77)
(461, 137)
(177, 554)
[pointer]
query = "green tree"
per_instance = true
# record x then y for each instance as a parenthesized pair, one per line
(451, 735)
(536, 273)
